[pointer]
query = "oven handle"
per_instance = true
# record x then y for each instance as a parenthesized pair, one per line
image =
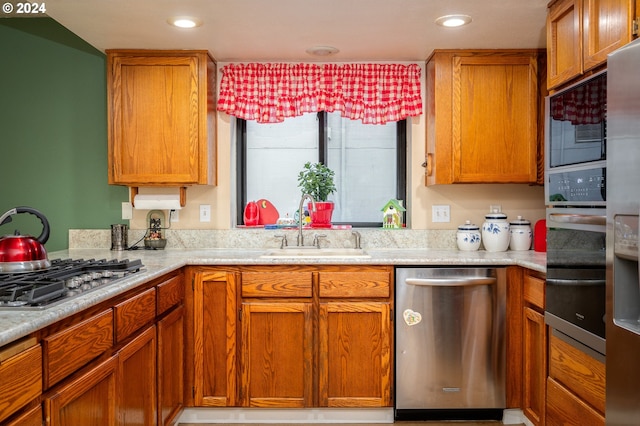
(581, 219)
(451, 282)
(560, 281)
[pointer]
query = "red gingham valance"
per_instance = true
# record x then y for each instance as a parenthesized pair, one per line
(269, 93)
(582, 105)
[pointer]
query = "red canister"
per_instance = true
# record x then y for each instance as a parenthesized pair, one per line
(540, 236)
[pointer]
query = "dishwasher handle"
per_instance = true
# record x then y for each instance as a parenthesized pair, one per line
(451, 281)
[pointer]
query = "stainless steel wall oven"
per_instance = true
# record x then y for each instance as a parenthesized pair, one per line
(575, 191)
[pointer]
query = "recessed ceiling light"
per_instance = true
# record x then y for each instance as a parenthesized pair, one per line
(184, 22)
(322, 50)
(453, 20)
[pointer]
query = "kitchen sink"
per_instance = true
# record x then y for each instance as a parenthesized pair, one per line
(309, 252)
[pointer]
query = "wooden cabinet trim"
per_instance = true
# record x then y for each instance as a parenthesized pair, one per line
(21, 380)
(70, 349)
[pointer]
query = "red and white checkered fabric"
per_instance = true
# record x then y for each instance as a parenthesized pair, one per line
(269, 93)
(584, 104)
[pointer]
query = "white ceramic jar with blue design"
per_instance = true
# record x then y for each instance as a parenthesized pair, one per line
(468, 237)
(495, 232)
(521, 234)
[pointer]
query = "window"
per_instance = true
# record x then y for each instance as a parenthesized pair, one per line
(369, 162)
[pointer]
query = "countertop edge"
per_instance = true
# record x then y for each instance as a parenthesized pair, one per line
(17, 324)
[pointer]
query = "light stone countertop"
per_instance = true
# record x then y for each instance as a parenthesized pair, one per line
(15, 324)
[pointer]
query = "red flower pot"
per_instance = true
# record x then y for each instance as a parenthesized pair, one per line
(321, 218)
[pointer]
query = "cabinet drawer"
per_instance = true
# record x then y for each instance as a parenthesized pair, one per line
(355, 284)
(170, 293)
(577, 371)
(135, 313)
(564, 408)
(534, 290)
(21, 379)
(72, 348)
(277, 284)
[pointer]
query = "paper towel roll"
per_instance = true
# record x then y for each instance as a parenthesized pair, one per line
(157, 202)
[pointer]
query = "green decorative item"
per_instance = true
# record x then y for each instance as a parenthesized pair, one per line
(317, 180)
(392, 214)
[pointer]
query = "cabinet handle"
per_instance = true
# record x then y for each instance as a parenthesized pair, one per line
(428, 164)
(451, 282)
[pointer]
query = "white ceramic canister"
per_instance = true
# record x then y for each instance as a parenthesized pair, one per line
(495, 232)
(521, 234)
(468, 237)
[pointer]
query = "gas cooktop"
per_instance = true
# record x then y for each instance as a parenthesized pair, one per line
(63, 280)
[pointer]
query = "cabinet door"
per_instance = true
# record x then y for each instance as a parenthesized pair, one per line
(494, 123)
(214, 323)
(137, 380)
(89, 400)
(535, 366)
(158, 118)
(276, 355)
(355, 354)
(606, 27)
(170, 366)
(564, 41)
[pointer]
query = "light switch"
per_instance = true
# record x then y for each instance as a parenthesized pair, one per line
(205, 213)
(440, 213)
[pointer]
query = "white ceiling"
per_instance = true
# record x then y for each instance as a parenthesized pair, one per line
(281, 30)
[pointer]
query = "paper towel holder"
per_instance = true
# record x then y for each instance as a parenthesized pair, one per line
(183, 195)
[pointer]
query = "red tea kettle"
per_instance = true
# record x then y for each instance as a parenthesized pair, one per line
(23, 253)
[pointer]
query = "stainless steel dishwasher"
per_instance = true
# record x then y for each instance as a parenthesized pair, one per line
(450, 343)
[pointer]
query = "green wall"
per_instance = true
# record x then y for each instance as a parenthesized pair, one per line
(53, 131)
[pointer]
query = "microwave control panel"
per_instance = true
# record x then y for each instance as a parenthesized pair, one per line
(577, 187)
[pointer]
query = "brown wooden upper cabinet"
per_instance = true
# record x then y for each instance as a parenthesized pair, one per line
(482, 114)
(161, 117)
(580, 34)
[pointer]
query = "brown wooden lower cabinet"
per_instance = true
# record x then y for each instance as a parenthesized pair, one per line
(89, 400)
(276, 355)
(21, 376)
(137, 380)
(355, 354)
(575, 387)
(31, 417)
(535, 366)
(170, 366)
(306, 336)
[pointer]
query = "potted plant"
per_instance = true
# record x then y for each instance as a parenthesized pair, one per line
(316, 179)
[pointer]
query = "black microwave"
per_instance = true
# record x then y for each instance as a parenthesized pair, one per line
(575, 143)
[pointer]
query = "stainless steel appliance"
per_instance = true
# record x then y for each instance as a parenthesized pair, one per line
(63, 280)
(576, 199)
(623, 207)
(450, 343)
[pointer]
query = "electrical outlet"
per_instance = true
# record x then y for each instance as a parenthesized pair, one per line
(127, 211)
(495, 208)
(441, 213)
(174, 216)
(205, 213)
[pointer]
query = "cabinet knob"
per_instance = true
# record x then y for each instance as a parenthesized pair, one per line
(428, 164)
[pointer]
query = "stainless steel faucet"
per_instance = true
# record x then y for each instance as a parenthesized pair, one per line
(301, 216)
